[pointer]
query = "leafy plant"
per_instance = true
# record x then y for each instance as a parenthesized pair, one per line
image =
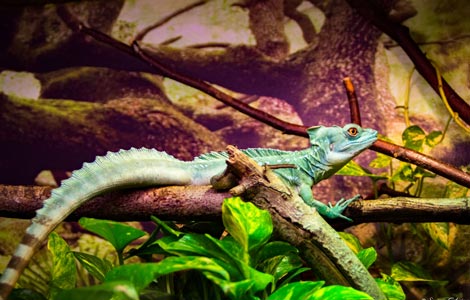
(245, 264)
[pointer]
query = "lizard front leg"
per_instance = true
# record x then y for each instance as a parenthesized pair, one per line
(329, 211)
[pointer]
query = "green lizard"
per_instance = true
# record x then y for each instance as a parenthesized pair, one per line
(331, 148)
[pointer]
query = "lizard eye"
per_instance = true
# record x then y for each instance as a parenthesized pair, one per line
(353, 131)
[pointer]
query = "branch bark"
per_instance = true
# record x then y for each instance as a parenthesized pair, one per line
(178, 203)
(203, 203)
(299, 224)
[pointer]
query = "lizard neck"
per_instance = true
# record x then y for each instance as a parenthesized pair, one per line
(313, 161)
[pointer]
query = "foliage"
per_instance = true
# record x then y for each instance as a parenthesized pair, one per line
(244, 264)
(435, 238)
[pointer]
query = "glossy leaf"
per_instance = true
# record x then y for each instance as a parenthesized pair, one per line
(250, 226)
(413, 137)
(439, 233)
(226, 250)
(235, 290)
(273, 249)
(405, 172)
(381, 161)
(141, 275)
(301, 290)
(352, 241)
(391, 288)
(337, 292)
(281, 265)
(409, 271)
(367, 256)
(433, 138)
(96, 266)
(166, 228)
(63, 272)
(455, 190)
(243, 289)
(117, 290)
(25, 294)
(118, 234)
(354, 169)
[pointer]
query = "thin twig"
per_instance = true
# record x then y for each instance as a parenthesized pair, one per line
(221, 96)
(166, 19)
(353, 102)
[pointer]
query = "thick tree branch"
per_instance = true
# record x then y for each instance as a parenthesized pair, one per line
(179, 203)
(203, 203)
(299, 224)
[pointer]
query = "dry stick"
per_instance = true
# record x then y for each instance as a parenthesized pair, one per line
(353, 102)
(383, 147)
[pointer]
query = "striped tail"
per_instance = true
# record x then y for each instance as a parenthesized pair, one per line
(132, 168)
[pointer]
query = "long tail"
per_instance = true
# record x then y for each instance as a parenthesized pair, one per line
(132, 168)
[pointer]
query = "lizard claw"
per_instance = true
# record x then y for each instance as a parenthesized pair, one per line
(337, 210)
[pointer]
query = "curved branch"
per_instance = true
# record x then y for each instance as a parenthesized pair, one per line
(402, 36)
(389, 149)
(140, 36)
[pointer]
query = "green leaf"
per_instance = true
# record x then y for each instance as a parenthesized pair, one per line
(409, 271)
(273, 249)
(337, 292)
(25, 294)
(439, 233)
(96, 266)
(455, 190)
(413, 137)
(226, 250)
(381, 161)
(405, 172)
(433, 138)
(351, 240)
(118, 234)
(391, 288)
(297, 290)
(367, 256)
(141, 275)
(166, 228)
(281, 265)
(235, 290)
(354, 169)
(117, 290)
(63, 272)
(250, 226)
(291, 276)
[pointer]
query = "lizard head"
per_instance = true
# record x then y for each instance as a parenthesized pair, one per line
(341, 144)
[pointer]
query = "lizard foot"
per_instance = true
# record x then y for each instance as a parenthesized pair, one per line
(337, 210)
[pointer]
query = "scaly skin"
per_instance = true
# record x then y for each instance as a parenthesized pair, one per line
(331, 148)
